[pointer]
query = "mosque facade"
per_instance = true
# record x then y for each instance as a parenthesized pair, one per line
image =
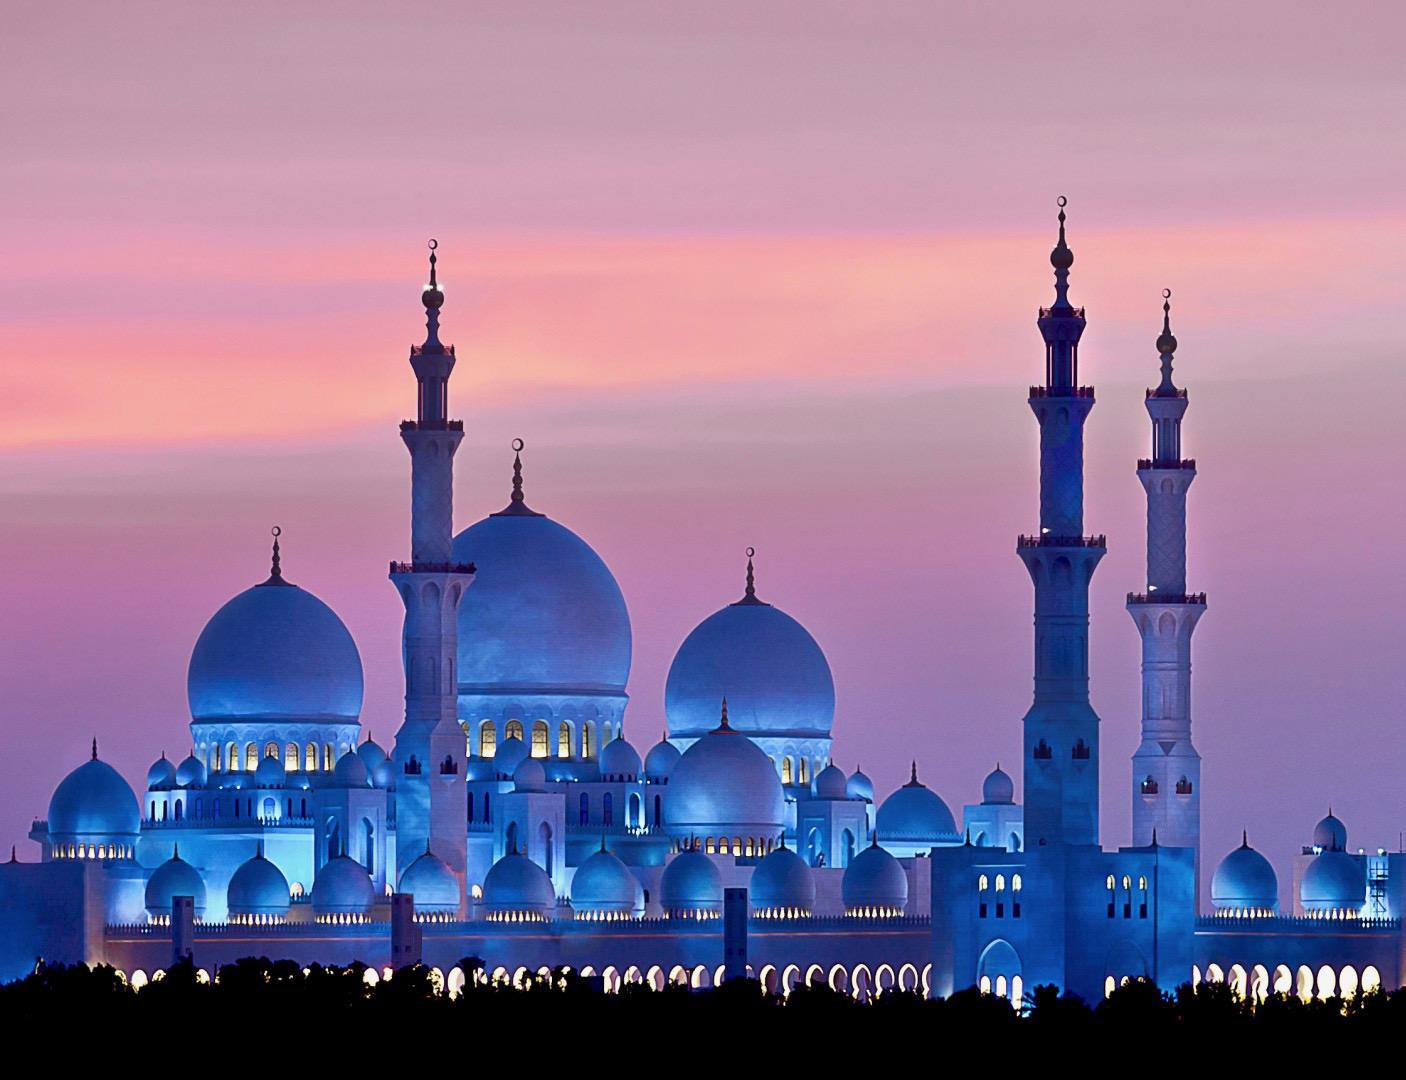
(512, 821)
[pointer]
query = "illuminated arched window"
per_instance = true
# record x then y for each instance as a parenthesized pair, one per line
(722, 845)
(290, 757)
(709, 847)
(310, 757)
(513, 730)
(487, 739)
(803, 771)
(232, 757)
(786, 770)
(588, 738)
(216, 759)
(251, 757)
(563, 740)
(607, 733)
(327, 757)
(1000, 882)
(539, 739)
(272, 750)
(1127, 882)
(737, 845)
(1015, 883)
(983, 883)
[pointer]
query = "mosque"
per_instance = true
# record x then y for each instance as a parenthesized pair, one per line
(514, 822)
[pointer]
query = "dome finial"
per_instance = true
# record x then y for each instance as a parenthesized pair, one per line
(433, 300)
(259, 850)
(276, 565)
(175, 851)
(95, 752)
(1154, 837)
(722, 724)
(1244, 838)
(914, 778)
(1166, 346)
(1061, 258)
(750, 595)
(516, 506)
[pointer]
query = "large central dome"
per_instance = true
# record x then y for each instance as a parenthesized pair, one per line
(776, 680)
(544, 614)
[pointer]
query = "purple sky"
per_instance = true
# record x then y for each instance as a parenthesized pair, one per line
(751, 274)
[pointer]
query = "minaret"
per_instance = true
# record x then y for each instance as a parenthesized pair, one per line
(430, 799)
(1166, 767)
(1061, 728)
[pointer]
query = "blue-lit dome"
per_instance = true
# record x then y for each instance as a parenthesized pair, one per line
(433, 885)
(1245, 880)
(830, 783)
(782, 885)
(270, 773)
(258, 890)
(343, 887)
(175, 877)
(350, 772)
(530, 775)
(691, 887)
(511, 753)
(93, 802)
(660, 761)
(384, 775)
(275, 652)
(544, 613)
(1330, 834)
(619, 761)
(516, 888)
(998, 788)
(162, 774)
(1334, 881)
(603, 887)
(371, 754)
(722, 786)
(860, 786)
(191, 772)
(771, 670)
(874, 884)
(915, 814)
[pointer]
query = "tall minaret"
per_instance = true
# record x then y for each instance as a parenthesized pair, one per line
(430, 799)
(1061, 728)
(1166, 767)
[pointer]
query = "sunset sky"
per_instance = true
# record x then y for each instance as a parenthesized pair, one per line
(739, 274)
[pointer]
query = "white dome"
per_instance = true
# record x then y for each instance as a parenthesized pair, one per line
(830, 783)
(724, 785)
(432, 883)
(1334, 881)
(619, 761)
(509, 755)
(162, 774)
(175, 877)
(270, 773)
(914, 814)
(860, 786)
(191, 772)
(660, 761)
(691, 886)
(998, 788)
(529, 776)
(604, 886)
(1330, 834)
(343, 887)
(1245, 881)
(782, 884)
(258, 889)
(874, 884)
(371, 754)
(350, 772)
(516, 887)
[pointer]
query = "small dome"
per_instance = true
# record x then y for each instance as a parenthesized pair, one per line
(724, 785)
(603, 885)
(916, 815)
(874, 884)
(162, 774)
(1334, 881)
(258, 890)
(691, 886)
(371, 755)
(530, 776)
(191, 772)
(830, 783)
(1245, 880)
(1330, 834)
(509, 755)
(384, 776)
(350, 771)
(93, 802)
(433, 885)
(998, 788)
(782, 883)
(619, 761)
(343, 887)
(767, 663)
(275, 652)
(860, 786)
(515, 886)
(660, 761)
(175, 877)
(270, 773)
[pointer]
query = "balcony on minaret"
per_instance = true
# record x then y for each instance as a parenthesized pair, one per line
(1156, 597)
(432, 425)
(1177, 463)
(1062, 392)
(433, 568)
(1050, 540)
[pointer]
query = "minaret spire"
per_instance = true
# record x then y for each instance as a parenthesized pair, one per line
(1166, 779)
(517, 506)
(749, 595)
(1061, 728)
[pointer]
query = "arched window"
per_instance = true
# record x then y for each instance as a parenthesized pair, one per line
(544, 833)
(786, 770)
(563, 740)
(607, 809)
(487, 816)
(232, 757)
(634, 816)
(487, 739)
(513, 730)
(368, 841)
(199, 808)
(588, 738)
(1142, 901)
(310, 757)
(1112, 896)
(607, 733)
(539, 739)
(803, 771)
(471, 806)
(178, 809)
(327, 757)
(1001, 898)
(270, 810)
(722, 845)
(983, 883)
(217, 809)
(710, 846)
(658, 811)
(251, 757)
(271, 750)
(290, 757)
(585, 809)
(216, 762)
